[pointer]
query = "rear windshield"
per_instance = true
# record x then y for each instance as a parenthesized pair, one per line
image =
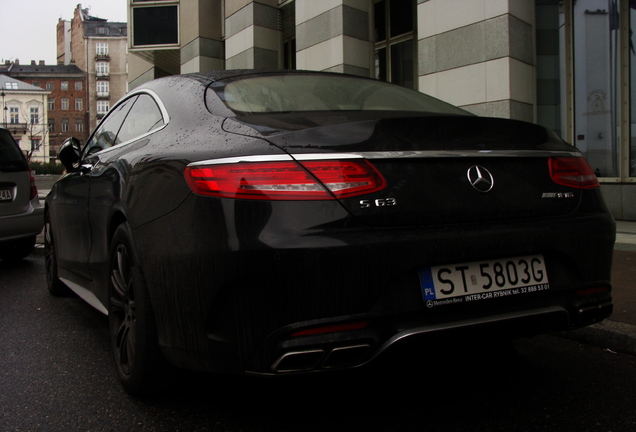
(11, 158)
(307, 92)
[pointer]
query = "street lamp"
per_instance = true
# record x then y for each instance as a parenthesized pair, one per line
(4, 110)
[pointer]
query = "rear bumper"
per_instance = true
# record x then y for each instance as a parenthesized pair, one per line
(234, 300)
(22, 225)
(354, 350)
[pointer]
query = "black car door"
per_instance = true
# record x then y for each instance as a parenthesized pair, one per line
(73, 194)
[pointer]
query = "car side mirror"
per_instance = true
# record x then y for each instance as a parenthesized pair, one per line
(69, 154)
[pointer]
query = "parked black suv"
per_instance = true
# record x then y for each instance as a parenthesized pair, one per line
(21, 214)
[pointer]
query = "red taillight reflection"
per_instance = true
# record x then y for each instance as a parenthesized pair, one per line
(593, 291)
(288, 180)
(331, 329)
(573, 172)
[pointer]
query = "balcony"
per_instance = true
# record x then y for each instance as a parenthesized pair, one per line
(102, 57)
(102, 75)
(103, 95)
(16, 128)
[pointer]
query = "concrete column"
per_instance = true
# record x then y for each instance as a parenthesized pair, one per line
(334, 35)
(479, 55)
(252, 35)
(201, 34)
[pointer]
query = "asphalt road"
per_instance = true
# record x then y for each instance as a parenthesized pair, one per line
(56, 374)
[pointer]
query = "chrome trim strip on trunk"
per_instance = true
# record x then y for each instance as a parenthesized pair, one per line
(390, 155)
(466, 153)
(276, 158)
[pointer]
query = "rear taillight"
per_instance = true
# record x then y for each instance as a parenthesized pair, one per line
(34, 190)
(573, 172)
(286, 180)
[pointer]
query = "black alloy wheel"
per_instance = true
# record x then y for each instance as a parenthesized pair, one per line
(132, 326)
(54, 284)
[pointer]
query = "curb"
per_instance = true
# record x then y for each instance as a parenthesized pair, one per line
(612, 335)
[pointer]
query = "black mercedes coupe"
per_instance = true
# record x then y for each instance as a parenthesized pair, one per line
(282, 222)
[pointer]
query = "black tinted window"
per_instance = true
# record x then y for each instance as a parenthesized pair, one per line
(144, 117)
(106, 134)
(11, 158)
(298, 93)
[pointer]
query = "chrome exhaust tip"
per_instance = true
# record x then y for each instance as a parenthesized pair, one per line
(298, 361)
(340, 357)
(347, 356)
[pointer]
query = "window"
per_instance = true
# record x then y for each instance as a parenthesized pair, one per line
(34, 115)
(286, 93)
(79, 125)
(65, 125)
(51, 104)
(50, 85)
(35, 84)
(596, 71)
(79, 104)
(102, 68)
(101, 49)
(102, 88)
(65, 104)
(36, 144)
(14, 116)
(64, 85)
(78, 85)
(105, 135)
(102, 107)
(51, 125)
(155, 25)
(289, 36)
(144, 117)
(11, 86)
(394, 36)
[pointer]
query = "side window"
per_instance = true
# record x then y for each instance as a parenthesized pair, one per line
(144, 117)
(106, 134)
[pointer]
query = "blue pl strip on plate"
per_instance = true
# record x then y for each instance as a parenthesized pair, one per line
(426, 281)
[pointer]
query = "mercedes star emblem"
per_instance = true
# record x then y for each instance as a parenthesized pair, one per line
(480, 178)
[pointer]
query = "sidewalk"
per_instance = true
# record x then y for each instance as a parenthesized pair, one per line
(618, 332)
(624, 273)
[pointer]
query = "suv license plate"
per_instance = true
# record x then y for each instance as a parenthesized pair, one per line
(484, 279)
(5, 195)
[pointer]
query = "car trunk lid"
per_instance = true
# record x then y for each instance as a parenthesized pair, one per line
(446, 169)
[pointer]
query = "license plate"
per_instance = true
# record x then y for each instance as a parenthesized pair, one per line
(5, 195)
(483, 280)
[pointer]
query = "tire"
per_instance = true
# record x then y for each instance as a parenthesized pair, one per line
(54, 284)
(16, 250)
(131, 320)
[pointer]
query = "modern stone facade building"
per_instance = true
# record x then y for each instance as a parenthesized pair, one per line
(98, 48)
(67, 114)
(566, 64)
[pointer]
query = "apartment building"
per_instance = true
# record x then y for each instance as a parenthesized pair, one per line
(24, 114)
(98, 48)
(67, 114)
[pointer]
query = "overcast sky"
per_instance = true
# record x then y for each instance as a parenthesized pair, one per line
(29, 26)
